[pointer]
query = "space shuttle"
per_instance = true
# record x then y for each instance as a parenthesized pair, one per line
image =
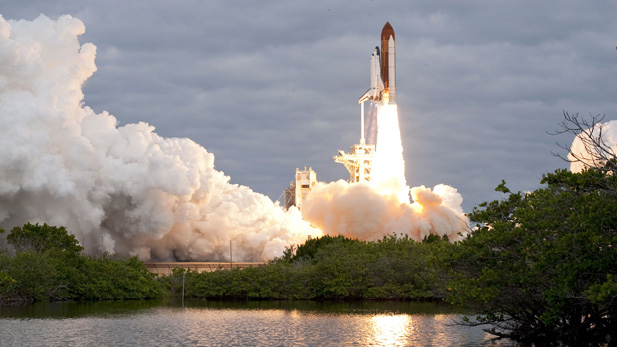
(359, 160)
(383, 70)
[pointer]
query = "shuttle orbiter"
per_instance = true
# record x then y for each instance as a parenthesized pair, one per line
(383, 70)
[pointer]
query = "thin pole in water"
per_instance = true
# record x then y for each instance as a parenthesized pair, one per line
(183, 275)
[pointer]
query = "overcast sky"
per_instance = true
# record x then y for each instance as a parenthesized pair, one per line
(268, 86)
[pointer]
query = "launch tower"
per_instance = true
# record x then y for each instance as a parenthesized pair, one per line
(358, 161)
(298, 190)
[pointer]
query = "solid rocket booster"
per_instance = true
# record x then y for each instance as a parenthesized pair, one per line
(388, 64)
(383, 70)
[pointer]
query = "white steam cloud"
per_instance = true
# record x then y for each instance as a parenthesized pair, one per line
(609, 136)
(360, 211)
(129, 191)
(118, 189)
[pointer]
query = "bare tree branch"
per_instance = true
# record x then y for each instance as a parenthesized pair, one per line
(597, 153)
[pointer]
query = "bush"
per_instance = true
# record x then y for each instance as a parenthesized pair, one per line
(48, 265)
(333, 268)
(111, 278)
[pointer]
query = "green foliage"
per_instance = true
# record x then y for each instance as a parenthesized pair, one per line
(41, 238)
(332, 268)
(540, 265)
(603, 293)
(48, 265)
(111, 278)
(275, 281)
(310, 248)
(34, 274)
(6, 284)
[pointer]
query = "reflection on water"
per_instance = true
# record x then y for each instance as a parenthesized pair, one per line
(78, 309)
(391, 330)
(208, 323)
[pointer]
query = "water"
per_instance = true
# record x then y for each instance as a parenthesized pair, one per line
(237, 324)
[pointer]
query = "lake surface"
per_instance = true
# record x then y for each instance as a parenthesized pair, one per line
(202, 323)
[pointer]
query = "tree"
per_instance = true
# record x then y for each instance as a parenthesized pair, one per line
(113, 278)
(36, 277)
(42, 238)
(540, 266)
(48, 265)
(45, 264)
(310, 248)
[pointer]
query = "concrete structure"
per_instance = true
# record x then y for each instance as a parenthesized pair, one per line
(166, 268)
(298, 190)
(305, 181)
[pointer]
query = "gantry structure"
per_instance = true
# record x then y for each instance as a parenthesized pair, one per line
(359, 161)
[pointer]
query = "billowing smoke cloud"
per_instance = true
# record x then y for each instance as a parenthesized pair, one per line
(609, 136)
(372, 210)
(360, 211)
(119, 189)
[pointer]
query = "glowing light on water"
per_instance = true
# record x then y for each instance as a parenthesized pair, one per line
(391, 330)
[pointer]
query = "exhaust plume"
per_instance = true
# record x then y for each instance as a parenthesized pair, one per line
(117, 189)
(371, 210)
